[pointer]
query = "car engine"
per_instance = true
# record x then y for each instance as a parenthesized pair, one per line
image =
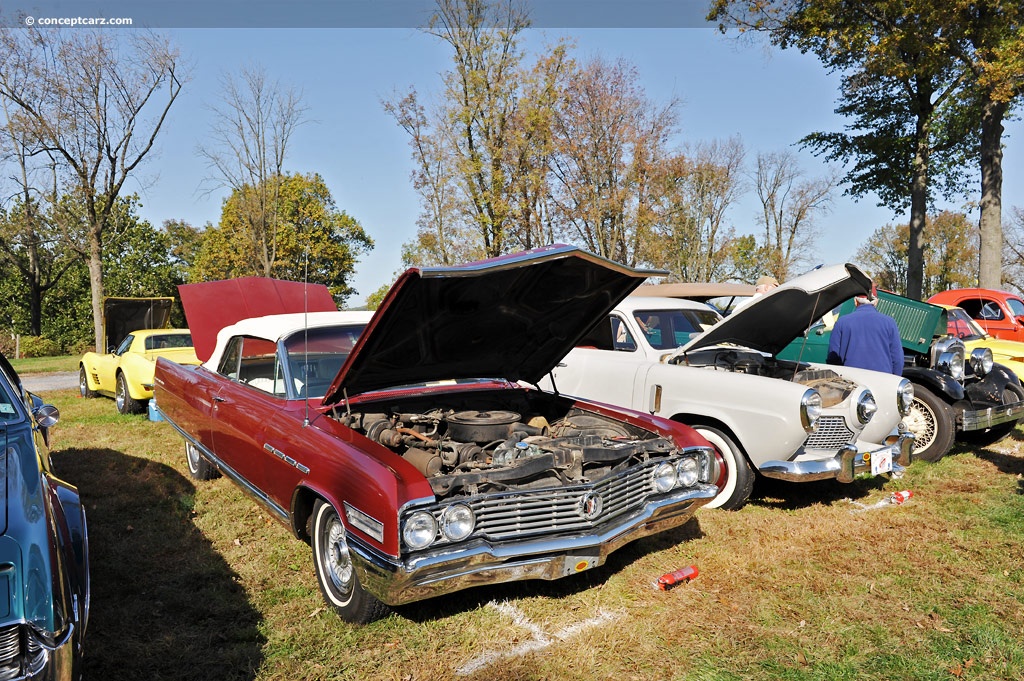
(477, 450)
(832, 387)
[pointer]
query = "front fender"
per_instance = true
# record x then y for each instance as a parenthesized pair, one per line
(943, 385)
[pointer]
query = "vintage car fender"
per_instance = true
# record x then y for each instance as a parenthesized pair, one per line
(884, 388)
(943, 385)
(95, 365)
(138, 371)
(763, 414)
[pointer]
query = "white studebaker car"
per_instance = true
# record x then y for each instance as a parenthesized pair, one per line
(787, 420)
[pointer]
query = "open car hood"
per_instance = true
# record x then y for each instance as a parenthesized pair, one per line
(212, 305)
(770, 322)
(510, 318)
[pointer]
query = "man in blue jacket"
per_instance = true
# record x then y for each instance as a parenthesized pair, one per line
(867, 339)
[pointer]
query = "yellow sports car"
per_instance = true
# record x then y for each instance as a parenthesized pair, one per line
(126, 373)
(1006, 352)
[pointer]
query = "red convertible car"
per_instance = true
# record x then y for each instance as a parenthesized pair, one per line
(402, 445)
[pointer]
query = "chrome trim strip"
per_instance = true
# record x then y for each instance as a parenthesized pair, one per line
(993, 416)
(253, 491)
(287, 459)
(452, 568)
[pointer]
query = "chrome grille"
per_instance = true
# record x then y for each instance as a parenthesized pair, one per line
(552, 510)
(10, 651)
(832, 433)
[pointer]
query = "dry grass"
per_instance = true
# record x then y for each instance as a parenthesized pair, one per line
(807, 582)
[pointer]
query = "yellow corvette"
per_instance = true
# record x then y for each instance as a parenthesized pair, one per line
(126, 374)
(1006, 352)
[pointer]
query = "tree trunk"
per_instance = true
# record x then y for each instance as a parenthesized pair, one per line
(991, 221)
(918, 211)
(96, 286)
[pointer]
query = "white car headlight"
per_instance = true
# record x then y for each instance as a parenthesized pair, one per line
(866, 406)
(810, 410)
(905, 397)
(981, 361)
(457, 522)
(664, 477)
(419, 531)
(688, 471)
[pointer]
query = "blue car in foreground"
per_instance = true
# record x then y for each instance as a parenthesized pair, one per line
(44, 547)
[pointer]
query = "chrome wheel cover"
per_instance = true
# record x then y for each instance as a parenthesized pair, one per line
(119, 397)
(336, 559)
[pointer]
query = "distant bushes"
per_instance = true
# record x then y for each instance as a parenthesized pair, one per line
(30, 346)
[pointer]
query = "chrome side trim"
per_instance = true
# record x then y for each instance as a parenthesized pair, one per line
(253, 491)
(452, 568)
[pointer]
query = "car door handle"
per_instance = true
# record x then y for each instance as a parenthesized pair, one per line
(218, 398)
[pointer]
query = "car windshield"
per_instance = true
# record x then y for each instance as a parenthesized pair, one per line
(962, 326)
(1016, 307)
(315, 356)
(668, 329)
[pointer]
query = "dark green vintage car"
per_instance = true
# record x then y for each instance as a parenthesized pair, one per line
(956, 395)
(44, 548)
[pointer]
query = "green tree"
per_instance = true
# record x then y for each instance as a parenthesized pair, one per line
(951, 262)
(316, 241)
(694, 191)
(252, 129)
(897, 81)
(92, 103)
(611, 142)
(987, 38)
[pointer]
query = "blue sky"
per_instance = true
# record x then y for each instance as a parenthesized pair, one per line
(769, 98)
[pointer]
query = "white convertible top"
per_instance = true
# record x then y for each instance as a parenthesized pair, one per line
(276, 326)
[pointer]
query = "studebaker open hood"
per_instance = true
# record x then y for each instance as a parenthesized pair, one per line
(770, 322)
(510, 318)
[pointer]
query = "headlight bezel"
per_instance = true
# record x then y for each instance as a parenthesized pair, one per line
(457, 516)
(810, 409)
(905, 397)
(982, 361)
(664, 477)
(867, 407)
(948, 356)
(419, 530)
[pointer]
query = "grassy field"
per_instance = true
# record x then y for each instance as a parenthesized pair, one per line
(45, 365)
(808, 582)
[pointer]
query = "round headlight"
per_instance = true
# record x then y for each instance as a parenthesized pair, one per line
(981, 361)
(419, 531)
(664, 477)
(457, 522)
(810, 410)
(687, 471)
(905, 397)
(866, 406)
(952, 363)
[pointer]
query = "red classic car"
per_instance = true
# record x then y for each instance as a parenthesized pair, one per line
(1000, 313)
(401, 446)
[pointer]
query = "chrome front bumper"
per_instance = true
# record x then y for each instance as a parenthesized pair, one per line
(993, 416)
(846, 465)
(480, 562)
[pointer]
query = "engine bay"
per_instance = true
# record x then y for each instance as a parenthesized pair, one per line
(466, 449)
(833, 388)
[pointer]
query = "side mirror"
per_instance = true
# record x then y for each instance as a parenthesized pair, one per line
(46, 416)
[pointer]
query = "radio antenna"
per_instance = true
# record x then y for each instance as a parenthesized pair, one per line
(305, 332)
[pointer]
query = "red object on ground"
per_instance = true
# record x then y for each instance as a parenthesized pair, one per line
(671, 579)
(900, 497)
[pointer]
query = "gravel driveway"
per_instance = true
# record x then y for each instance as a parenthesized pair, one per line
(57, 380)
